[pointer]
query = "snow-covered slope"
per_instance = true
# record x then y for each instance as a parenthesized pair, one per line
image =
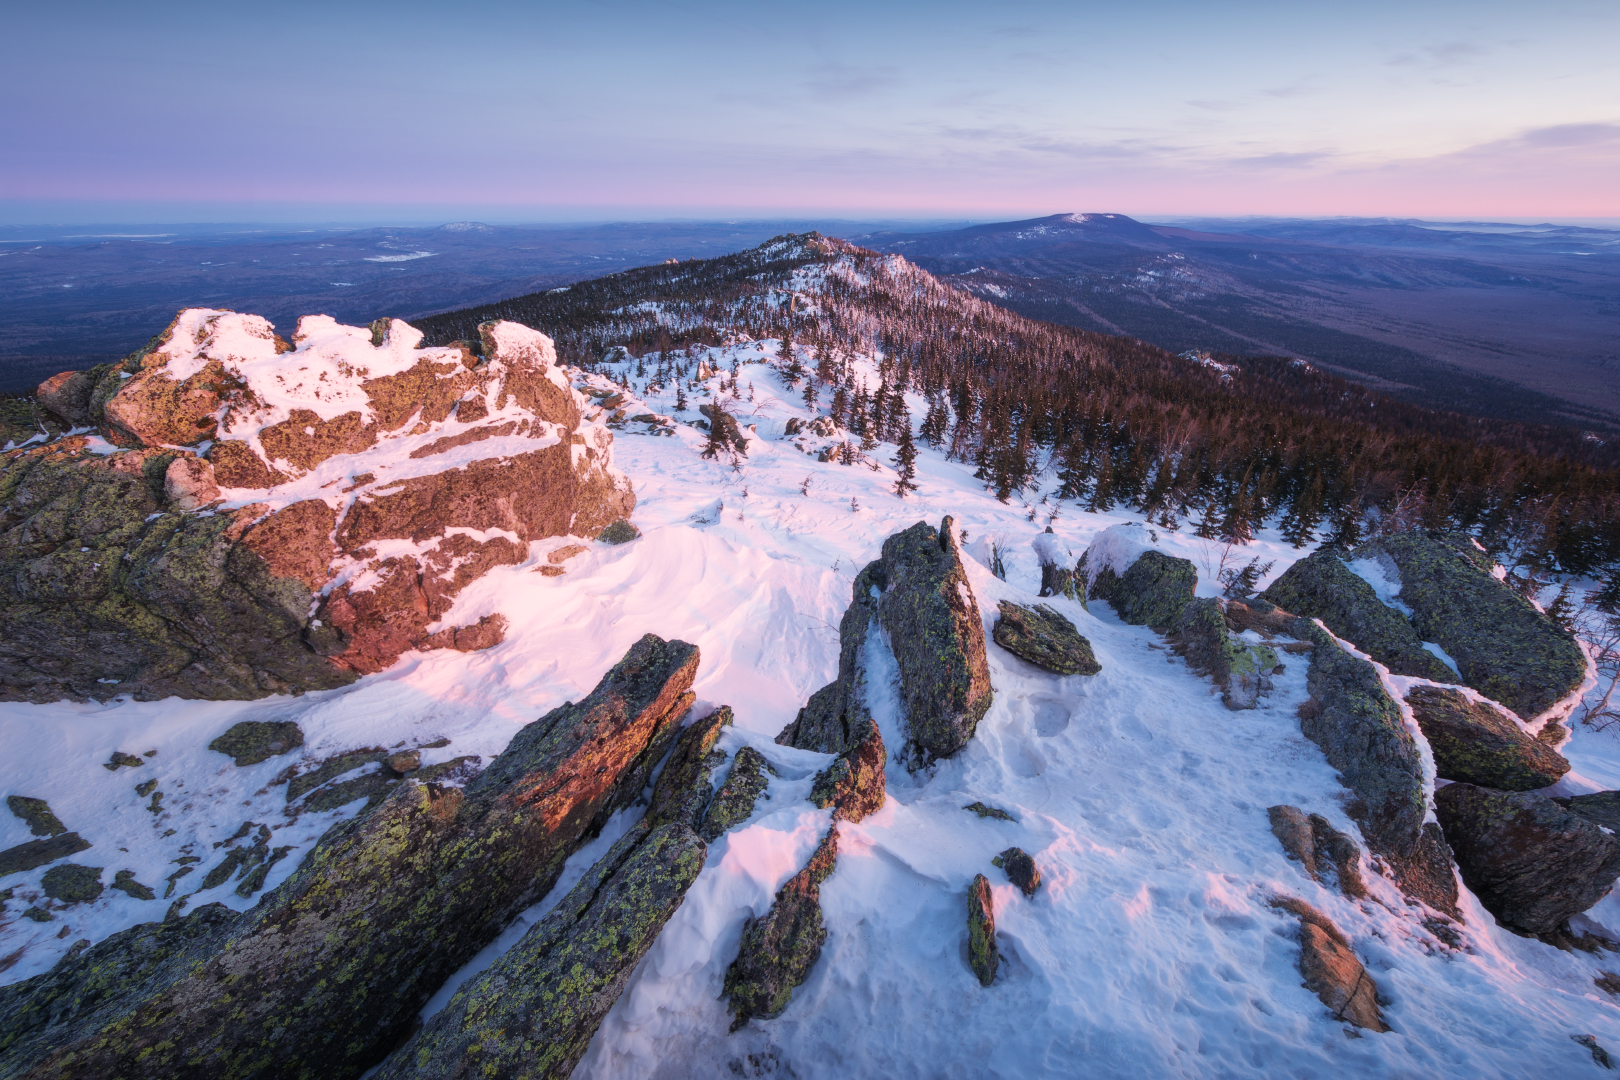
(1150, 950)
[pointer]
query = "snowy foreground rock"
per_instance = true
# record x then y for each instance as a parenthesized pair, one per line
(824, 783)
(252, 516)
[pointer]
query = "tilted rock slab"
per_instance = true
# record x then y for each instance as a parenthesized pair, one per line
(533, 1012)
(983, 955)
(1045, 638)
(854, 785)
(1531, 862)
(328, 971)
(286, 515)
(1331, 969)
(918, 593)
(1504, 647)
(1321, 586)
(1475, 744)
(779, 948)
(734, 803)
(1312, 841)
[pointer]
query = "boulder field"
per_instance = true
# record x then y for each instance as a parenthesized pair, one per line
(227, 514)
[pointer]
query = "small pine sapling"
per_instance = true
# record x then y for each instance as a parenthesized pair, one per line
(905, 462)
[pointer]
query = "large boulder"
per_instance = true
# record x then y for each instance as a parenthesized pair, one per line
(1045, 638)
(199, 562)
(919, 594)
(1145, 586)
(1243, 671)
(1475, 743)
(1321, 586)
(328, 971)
(1531, 862)
(1503, 646)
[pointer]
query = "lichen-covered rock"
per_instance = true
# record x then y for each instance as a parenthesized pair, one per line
(1327, 854)
(779, 948)
(854, 785)
(532, 1013)
(1476, 744)
(1044, 638)
(252, 741)
(989, 811)
(36, 853)
(1145, 586)
(1504, 647)
(124, 881)
(1057, 576)
(983, 956)
(1321, 586)
(1362, 735)
(1602, 807)
(329, 970)
(37, 813)
(113, 579)
(72, 883)
(734, 803)
(1242, 671)
(1531, 862)
(1019, 866)
(1331, 969)
(919, 594)
(68, 395)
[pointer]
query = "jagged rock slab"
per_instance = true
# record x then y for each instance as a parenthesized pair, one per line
(329, 970)
(533, 1012)
(1504, 647)
(983, 955)
(779, 948)
(253, 741)
(1331, 969)
(854, 784)
(36, 853)
(1326, 853)
(1474, 743)
(1531, 862)
(1152, 591)
(1321, 586)
(1242, 671)
(834, 713)
(1044, 638)
(734, 803)
(1602, 807)
(37, 813)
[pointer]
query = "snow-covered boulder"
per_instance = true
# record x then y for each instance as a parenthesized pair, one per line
(1144, 585)
(264, 516)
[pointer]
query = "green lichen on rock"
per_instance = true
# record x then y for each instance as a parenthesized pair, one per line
(734, 803)
(37, 813)
(619, 532)
(1152, 591)
(1242, 671)
(1045, 638)
(779, 948)
(72, 883)
(331, 769)
(1020, 868)
(121, 760)
(1321, 586)
(684, 791)
(1474, 743)
(329, 970)
(854, 784)
(124, 881)
(983, 956)
(253, 741)
(15, 860)
(1503, 646)
(989, 811)
(241, 860)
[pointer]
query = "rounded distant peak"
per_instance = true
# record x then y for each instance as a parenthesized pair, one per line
(467, 226)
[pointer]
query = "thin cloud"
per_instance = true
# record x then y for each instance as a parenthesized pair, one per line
(841, 81)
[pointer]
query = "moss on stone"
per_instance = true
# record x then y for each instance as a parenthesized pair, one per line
(252, 741)
(983, 956)
(37, 813)
(72, 883)
(1475, 744)
(1152, 592)
(735, 801)
(1045, 638)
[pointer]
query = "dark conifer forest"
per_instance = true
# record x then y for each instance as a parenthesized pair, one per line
(1219, 444)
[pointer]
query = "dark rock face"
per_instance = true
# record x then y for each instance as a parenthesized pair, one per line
(36, 853)
(1504, 647)
(1020, 869)
(1151, 592)
(919, 594)
(1531, 862)
(1322, 587)
(1360, 730)
(1242, 671)
(779, 949)
(1602, 807)
(735, 801)
(124, 881)
(1326, 853)
(344, 953)
(1475, 744)
(854, 785)
(72, 884)
(989, 811)
(1331, 970)
(983, 955)
(1044, 638)
(533, 1012)
(37, 813)
(113, 580)
(253, 741)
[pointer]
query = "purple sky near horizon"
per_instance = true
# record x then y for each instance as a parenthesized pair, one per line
(599, 109)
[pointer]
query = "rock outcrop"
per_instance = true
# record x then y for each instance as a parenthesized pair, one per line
(983, 955)
(1328, 855)
(1331, 969)
(854, 785)
(734, 803)
(1020, 868)
(1045, 638)
(918, 593)
(533, 1012)
(1242, 671)
(1504, 647)
(1145, 586)
(327, 972)
(1321, 586)
(1474, 743)
(284, 516)
(1531, 862)
(1602, 807)
(779, 948)
(1057, 576)
(253, 741)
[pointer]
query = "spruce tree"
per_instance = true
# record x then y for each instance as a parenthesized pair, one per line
(905, 462)
(810, 394)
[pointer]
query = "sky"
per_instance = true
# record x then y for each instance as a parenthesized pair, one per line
(601, 109)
